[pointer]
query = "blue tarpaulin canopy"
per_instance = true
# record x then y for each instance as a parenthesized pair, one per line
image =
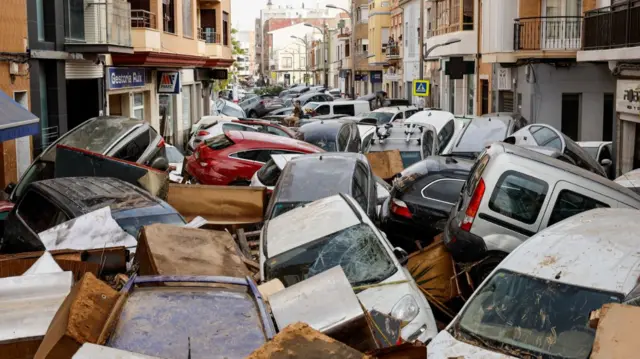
(15, 120)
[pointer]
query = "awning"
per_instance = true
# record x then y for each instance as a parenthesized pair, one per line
(15, 120)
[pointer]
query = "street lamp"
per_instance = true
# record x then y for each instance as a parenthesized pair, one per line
(446, 43)
(352, 46)
(306, 56)
(326, 45)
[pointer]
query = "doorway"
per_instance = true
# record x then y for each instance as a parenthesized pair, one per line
(84, 101)
(485, 97)
(571, 115)
(607, 118)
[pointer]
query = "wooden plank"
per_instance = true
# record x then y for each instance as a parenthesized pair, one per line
(616, 334)
(242, 241)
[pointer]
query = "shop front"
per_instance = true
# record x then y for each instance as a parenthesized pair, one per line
(376, 81)
(130, 92)
(628, 136)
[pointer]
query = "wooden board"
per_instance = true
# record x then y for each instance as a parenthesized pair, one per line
(171, 250)
(616, 336)
(301, 341)
(432, 269)
(218, 204)
(385, 164)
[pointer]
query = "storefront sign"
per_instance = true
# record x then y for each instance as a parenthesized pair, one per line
(376, 77)
(628, 96)
(169, 82)
(120, 77)
(361, 77)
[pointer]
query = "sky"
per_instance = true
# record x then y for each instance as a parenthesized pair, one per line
(245, 12)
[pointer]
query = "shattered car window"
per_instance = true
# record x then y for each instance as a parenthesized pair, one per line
(356, 249)
(99, 135)
(284, 207)
(515, 313)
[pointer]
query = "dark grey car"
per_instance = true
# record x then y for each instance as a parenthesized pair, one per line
(259, 106)
(120, 137)
(332, 135)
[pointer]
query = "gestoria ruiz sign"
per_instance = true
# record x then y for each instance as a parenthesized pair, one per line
(628, 96)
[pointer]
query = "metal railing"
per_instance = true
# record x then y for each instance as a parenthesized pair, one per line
(102, 23)
(613, 26)
(393, 51)
(548, 33)
(143, 19)
(209, 35)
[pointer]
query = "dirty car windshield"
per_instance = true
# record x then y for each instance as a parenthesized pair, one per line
(477, 135)
(546, 318)
(356, 249)
(381, 117)
(131, 225)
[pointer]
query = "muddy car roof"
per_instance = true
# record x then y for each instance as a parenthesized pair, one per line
(87, 194)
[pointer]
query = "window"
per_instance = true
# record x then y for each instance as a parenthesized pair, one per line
(344, 110)
(518, 196)
(546, 137)
(40, 19)
(269, 173)
(225, 28)
(276, 131)
(570, 203)
(343, 138)
(446, 134)
(323, 110)
(399, 116)
(443, 190)
(360, 186)
(218, 142)
(38, 213)
(287, 62)
(187, 18)
(74, 20)
(356, 142)
(138, 105)
(168, 14)
(133, 149)
(253, 155)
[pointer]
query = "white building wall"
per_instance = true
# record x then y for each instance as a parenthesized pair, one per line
(411, 44)
(500, 14)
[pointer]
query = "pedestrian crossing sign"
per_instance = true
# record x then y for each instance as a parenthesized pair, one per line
(421, 88)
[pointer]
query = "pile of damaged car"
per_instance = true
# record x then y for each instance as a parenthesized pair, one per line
(393, 233)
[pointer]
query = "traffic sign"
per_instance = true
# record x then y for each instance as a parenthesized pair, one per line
(421, 88)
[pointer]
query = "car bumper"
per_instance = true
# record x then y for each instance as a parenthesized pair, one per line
(464, 247)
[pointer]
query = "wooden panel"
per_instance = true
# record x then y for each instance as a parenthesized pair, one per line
(385, 164)
(530, 8)
(616, 335)
(588, 5)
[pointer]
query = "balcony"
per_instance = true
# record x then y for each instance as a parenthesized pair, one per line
(393, 52)
(209, 35)
(612, 27)
(99, 27)
(143, 19)
(551, 33)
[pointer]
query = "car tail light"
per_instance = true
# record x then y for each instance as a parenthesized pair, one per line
(473, 207)
(161, 143)
(400, 208)
(262, 102)
(203, 133)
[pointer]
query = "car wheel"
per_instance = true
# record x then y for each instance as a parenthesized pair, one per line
(240, 183)
(480, 272)
(253, 114)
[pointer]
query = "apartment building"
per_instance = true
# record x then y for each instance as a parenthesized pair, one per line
(245, 62)
(611, 38)
(393, 71)
(288, 48)
(409, 30)
(379, 35)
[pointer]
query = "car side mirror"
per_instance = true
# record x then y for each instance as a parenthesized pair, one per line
(160, 163)
(10, 188)
(401, 255)
(606, 162)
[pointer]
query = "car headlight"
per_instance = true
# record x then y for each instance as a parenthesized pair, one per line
(406, 309)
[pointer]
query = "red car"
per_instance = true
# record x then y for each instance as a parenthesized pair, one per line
(233, 158)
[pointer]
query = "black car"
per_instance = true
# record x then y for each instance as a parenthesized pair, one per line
(331, 135)
(259, 106)
(421, 199)
(45, 204)
(311, 177)
(313, 97)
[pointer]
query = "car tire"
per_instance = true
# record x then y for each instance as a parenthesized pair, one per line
(480, 272)
(240, 183)
(253, 114)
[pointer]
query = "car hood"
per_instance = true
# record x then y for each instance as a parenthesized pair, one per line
(445, 346)
(383, 298)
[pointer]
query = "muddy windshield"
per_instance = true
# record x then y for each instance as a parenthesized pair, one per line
(356, 249)
(514, 313)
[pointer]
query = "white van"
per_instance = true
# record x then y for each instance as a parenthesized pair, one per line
(349, 108)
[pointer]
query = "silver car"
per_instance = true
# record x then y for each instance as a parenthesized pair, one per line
(211, 126)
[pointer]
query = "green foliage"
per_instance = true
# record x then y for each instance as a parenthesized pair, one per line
(271, 90)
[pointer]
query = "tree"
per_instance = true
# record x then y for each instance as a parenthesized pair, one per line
(233, 71)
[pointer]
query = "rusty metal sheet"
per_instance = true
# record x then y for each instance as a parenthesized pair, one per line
(385, 164)
(218, 204)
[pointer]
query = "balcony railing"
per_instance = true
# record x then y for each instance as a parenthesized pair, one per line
(612, 26)
(143, 19)
(393, 51)
(102, 23)
(548, 33)
(209, 35)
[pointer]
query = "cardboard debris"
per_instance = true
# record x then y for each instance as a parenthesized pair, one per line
(97, 261)
(300, 341)
(218, 204)
(81, 318)
(616, 336)
(171, 250)
(93, 351)
(433, 270)
(385, 164)
(28, 303)
(93, 230)
(75, 162)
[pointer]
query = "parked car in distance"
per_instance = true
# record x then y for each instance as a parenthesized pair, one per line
(386, 115)
(227, 108)
(331, 135)
(258, 106)
(335, 231)
(47, 203)
(630, 180)
(548, 286)
(212, 126)
(282, 111)
(601, 151)
(513, 193)
(120, 137)
(421, 199)
(349, 108)
(546, 136)
(269, 127)
(305, 179)
(233, 157)
(313, 96)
